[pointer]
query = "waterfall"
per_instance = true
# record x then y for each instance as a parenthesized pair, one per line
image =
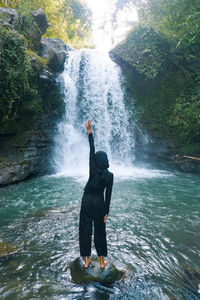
(92, 85)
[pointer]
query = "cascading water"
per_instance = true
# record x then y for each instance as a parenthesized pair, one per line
(92, 85)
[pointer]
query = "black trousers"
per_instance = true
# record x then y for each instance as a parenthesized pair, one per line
(92, 210)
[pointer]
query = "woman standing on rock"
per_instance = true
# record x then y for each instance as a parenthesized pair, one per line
(93, 207)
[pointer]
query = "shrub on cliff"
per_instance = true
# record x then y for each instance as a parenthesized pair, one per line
(162, 67)
(18, 83)
(28, 27)
(186, 119)
(145, 50)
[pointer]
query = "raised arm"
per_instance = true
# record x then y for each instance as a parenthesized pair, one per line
(91, 142)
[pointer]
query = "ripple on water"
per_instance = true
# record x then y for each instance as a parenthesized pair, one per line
(152, 231)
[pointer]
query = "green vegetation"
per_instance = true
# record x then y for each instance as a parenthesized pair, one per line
(41, 60)
(68, 20)
(23, 100)
(145, 50)
(178, 19)
(18, 83)
(160, 57)
(27, 27)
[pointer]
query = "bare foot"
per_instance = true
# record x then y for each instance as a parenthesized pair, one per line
(86, 264)
(103, 264)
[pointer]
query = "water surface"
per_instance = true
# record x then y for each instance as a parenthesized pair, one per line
(152, 230)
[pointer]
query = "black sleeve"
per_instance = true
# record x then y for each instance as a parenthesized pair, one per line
(92, 152)
(108, 193)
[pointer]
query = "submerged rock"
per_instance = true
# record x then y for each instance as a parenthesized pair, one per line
(7, 249)
(93, 273)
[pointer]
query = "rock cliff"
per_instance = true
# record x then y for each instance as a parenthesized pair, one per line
(27, 151)
(157, 84)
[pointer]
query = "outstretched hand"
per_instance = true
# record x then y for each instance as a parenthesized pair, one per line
(88, 126)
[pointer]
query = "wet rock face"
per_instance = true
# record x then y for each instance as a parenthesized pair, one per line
(28, 161)
(8, 16)
(41, 20)
(55, 51)
(28, 152)
(42, 25)
(93, 273)
(28, 155)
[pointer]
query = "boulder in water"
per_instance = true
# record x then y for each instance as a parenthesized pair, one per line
(93, 273)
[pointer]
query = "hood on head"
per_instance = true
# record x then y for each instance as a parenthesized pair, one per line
(101, 160)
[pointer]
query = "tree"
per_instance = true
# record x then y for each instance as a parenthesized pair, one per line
(69, 20)
(178, 19)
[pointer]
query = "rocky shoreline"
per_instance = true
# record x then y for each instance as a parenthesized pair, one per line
(162, 153)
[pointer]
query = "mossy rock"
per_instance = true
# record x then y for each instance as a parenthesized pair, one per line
(93, 273)
(7, 249)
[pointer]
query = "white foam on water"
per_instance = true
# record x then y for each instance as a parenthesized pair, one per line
(120, 173)
(131, 172)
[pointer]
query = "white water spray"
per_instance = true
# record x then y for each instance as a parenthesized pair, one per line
(92, 85)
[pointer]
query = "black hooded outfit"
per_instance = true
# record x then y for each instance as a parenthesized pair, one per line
(93, 206)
